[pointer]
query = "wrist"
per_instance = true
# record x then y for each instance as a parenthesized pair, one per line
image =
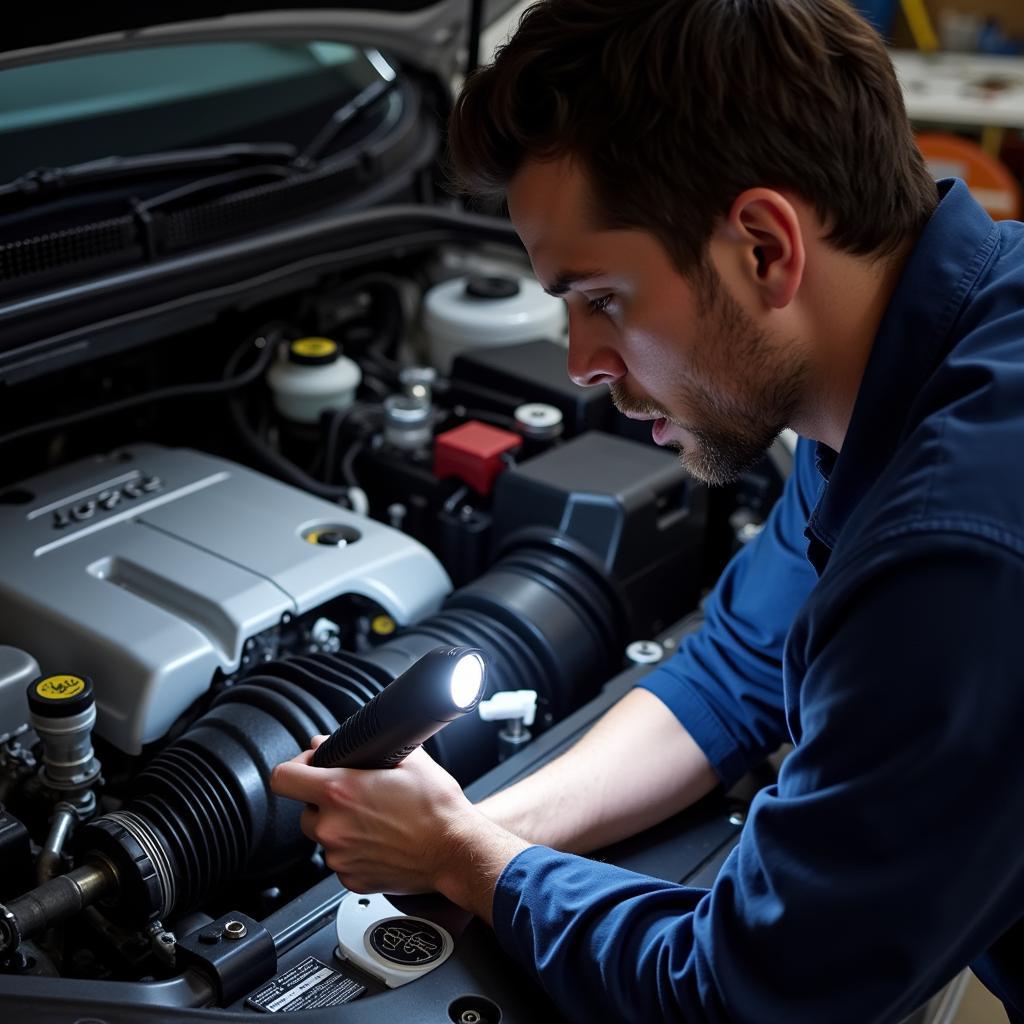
(476, 853)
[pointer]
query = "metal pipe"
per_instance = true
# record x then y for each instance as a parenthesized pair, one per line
(64, 819)
(52, 902)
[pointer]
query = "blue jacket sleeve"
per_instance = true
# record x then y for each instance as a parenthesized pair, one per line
(725, 682)
(887, 857)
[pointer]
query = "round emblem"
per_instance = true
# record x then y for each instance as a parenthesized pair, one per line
(406, 941)
(60, 687)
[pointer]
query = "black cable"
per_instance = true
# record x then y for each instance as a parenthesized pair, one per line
(160, 395)
(348, 463)
(335, 422)
(271, 460)
(382, 349)
(376, 385)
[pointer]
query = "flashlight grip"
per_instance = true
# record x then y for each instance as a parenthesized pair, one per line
(406, 713)
(361, 742)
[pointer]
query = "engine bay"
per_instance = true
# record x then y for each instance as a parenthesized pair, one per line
(233, 536)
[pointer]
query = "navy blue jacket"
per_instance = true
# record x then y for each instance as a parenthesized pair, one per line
(875, 624)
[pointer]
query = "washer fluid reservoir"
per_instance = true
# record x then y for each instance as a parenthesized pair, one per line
(311, 377)
(482, 311)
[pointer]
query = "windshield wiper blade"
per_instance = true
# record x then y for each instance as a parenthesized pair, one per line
(47, 181)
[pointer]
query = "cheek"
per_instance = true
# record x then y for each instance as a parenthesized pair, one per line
(660, 354)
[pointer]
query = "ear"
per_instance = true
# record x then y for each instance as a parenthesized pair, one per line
(767, 230)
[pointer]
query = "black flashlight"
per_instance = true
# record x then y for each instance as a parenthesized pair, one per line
(443, 685)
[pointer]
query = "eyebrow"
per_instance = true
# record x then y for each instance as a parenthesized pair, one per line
(567, 278)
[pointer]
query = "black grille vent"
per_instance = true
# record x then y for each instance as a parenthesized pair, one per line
(255, 206)
(89, 243)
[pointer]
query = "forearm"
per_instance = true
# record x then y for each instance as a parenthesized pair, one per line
(636, 767)
(478, 852)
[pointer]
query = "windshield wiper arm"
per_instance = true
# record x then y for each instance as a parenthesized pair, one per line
(343, 117)
(47, 181)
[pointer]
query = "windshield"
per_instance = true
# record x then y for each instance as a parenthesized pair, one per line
(151, 99)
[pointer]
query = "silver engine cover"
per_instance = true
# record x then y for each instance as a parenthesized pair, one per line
(150, 569)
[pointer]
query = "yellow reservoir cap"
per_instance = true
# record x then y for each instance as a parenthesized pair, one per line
(313, 351)
(60, 687)
(59, 696)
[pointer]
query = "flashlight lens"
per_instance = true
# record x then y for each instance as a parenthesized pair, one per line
(467, 678)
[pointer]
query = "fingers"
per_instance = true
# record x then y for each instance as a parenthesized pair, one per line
(299, 780)
(306, 757)
(308, 821)
(288, 779)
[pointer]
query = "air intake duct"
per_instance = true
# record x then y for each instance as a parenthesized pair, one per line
(549, 621)
(203, 813)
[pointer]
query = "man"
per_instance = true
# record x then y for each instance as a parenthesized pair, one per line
(728, 196)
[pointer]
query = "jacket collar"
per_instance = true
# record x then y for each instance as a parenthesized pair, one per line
(915, 334)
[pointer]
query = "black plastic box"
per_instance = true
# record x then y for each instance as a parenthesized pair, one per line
(631, 505)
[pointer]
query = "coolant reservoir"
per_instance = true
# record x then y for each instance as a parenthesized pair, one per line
(311, 377)
(481, 311)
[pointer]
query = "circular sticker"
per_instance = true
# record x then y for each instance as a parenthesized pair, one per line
(60, 687)
(406, 941)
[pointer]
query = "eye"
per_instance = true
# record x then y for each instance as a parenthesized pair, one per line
(599, 305)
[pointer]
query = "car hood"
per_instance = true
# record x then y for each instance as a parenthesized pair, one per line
(426, 34)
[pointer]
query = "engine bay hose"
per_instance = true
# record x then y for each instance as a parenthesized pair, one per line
(201, 813)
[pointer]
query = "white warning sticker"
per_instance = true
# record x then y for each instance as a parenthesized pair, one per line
(307, 986)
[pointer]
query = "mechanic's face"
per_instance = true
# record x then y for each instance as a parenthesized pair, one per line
(682, 354)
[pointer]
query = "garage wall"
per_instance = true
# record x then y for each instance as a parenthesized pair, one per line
(1009, 13)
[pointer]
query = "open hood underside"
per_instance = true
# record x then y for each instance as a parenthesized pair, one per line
(427, 34)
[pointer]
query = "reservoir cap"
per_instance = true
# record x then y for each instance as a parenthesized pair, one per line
(313, 352)
(59, 696)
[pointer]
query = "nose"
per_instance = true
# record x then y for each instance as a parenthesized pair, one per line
(592, 358)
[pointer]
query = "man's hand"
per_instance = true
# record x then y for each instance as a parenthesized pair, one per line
(399, 830)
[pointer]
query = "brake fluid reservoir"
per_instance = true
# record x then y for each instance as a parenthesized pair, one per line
(481, 311)
(311, 377)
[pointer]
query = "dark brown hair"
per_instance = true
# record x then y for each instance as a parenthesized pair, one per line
(675, 107)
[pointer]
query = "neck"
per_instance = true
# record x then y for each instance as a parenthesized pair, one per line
(846, 300)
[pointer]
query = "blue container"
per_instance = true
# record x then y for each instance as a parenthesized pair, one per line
(879, 12)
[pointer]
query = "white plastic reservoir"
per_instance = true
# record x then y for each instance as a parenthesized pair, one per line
(311, 377)
(481, 311)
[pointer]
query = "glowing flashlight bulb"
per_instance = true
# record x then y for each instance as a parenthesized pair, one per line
(467, 677)
(442, 685)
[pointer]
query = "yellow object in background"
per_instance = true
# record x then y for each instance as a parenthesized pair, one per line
(921, 28)
(383, 625)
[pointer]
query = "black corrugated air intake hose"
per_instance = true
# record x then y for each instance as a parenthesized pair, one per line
(202, 813)
(549, 621)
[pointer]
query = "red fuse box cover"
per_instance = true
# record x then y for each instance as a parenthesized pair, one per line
(473, 453)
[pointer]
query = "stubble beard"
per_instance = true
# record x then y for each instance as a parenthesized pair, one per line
(731, 429)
